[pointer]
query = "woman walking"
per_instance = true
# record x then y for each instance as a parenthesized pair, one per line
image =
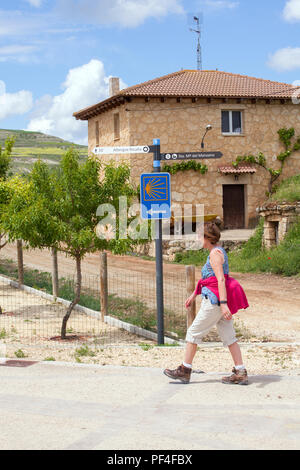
(222, 296)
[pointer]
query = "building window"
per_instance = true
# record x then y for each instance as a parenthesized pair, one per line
(232, 122)
(97, 133)
(116, 126)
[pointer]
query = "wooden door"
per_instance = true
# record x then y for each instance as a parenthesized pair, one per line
(233, 206)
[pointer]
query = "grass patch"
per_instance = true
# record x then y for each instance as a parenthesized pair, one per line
(145, 346)
(132, 311)
(196, 257)
(84, 351)
(20, 354)
(3, 333)
(138, 313)
(288, 190)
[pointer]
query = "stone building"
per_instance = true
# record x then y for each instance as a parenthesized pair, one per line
(245, 114)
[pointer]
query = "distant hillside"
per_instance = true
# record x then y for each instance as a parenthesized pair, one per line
(35, 139)
(29, 146)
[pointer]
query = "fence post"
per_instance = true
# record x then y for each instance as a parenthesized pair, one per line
(190, 287)
(103, 285)
(20, 263)
(54, 272)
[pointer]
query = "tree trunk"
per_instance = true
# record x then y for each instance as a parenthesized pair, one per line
(270, 185)
(20, 263)
(103, 285)
(2, 244)
(75, 301)
(54, 272)
(271, 182)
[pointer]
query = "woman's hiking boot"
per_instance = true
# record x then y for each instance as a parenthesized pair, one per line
(181, 373)
(239, 377)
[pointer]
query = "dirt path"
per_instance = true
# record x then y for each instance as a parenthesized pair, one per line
(274, 312)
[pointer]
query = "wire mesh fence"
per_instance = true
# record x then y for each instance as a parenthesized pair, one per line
(31, 315)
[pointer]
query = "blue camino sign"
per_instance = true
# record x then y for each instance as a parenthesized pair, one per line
(155, 196)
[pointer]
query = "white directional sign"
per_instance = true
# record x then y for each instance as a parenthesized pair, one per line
(112, 150)
(190, 155)
(153, 212)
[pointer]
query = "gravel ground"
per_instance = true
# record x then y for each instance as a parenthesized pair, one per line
(259, 359)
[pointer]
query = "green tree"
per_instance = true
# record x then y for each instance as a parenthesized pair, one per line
(5, 163)
(5, 157)
(8, 189)
(15, 186)
(61, 211)
(285, 136)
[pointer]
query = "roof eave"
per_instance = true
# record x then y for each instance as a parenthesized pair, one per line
(117, 100)
(111, 102)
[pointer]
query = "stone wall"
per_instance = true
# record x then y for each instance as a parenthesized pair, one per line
(105, 122)
(180, 127)
(172, 247)
(277, 220)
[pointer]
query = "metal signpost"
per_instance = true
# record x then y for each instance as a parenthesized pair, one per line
(156, 204)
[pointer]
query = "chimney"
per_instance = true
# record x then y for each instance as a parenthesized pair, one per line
(114, 86)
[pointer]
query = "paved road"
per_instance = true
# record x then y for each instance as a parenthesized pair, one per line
(68, 406)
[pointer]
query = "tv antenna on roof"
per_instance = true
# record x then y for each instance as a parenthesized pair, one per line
(198, 20)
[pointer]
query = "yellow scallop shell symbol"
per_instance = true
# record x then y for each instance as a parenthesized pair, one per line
(154, 188)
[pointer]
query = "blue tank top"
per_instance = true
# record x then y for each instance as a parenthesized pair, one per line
(207, 271)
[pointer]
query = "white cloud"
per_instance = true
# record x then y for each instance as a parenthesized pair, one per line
(16, 52)
(84, 86)
(285, 59)
(291, 10)
(219, 4)
(14, 103)
(17, 23)
(128, 13)
(35, 3)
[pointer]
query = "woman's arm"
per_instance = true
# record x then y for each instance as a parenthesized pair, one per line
(216, 261)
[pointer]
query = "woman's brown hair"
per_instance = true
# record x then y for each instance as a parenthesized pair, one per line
(211, 232)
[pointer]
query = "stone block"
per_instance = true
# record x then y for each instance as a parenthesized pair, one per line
(269, 234)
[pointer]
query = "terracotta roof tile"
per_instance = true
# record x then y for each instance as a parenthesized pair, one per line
(198, 83)
(210, 83)
(236, 171)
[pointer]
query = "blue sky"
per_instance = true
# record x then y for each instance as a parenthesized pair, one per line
(56, 55)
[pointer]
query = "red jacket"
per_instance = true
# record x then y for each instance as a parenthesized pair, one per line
(236, 297)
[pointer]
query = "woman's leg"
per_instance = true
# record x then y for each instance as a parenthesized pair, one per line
(227, 332)
(206, 318)
(236, 354)
(190, 352)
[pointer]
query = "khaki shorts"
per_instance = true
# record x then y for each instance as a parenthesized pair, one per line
(209, 316)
